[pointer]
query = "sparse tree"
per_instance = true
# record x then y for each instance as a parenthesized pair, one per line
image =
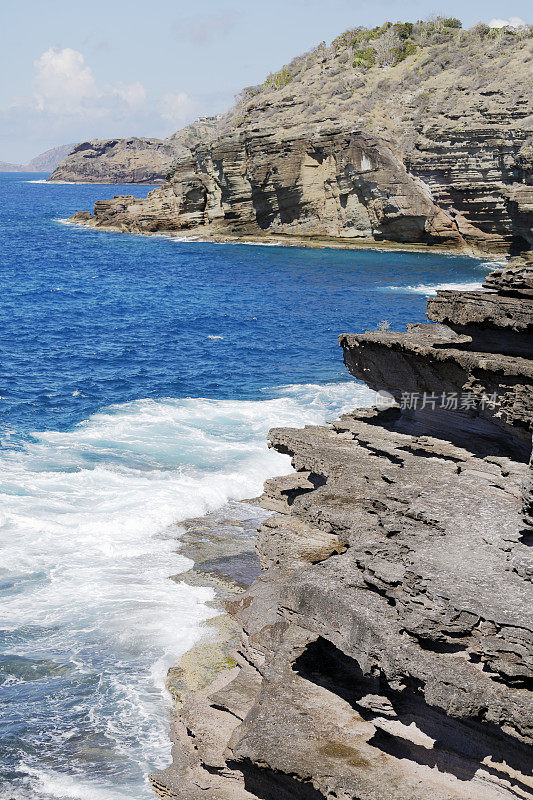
(386, 48)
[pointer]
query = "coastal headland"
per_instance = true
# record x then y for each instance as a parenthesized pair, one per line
(411, 133)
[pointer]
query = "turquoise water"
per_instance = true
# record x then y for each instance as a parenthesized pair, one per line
(138, 379)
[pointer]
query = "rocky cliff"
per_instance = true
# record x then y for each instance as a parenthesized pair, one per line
(133, 160)
(409, 133)
(386, 650)
(116, 161)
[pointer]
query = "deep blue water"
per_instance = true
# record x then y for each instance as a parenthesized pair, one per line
(118, 317)
(138, 378)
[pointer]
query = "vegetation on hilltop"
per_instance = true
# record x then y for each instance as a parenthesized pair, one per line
(392, 77)
(389, 44)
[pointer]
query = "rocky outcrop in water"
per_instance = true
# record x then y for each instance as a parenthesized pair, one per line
(386, 650)
(116, 161)
(419, 134)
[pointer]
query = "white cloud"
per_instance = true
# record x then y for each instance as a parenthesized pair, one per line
(133, 94)
(177, 108)
(66, 103)
(63, 82)
(64, 86)
(512, 22)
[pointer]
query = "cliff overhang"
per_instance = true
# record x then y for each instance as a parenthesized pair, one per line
(386, 651)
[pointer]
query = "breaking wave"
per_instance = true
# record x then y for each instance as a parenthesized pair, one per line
(89, 538)
(429, 289)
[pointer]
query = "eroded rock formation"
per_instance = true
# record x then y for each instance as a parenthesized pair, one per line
(386, 651)
(116, 161)
(432, 148)
(133, 160)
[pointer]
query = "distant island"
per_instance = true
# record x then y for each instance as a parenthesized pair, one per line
(45, 162)
(133, 160)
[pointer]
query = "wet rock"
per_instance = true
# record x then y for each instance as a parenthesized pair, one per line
(386, 651)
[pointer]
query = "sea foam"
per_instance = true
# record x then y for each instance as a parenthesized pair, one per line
(432, 289)
(88, 542)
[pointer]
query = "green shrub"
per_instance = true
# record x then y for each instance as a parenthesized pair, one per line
(379, 30)
(347, 38)
(452, 22)
(403, 29)
(481, 29)
(364, 58)
(279, 79)
(358, 36)
(404, 51)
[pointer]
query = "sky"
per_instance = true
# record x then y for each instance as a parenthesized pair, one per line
(111, 68)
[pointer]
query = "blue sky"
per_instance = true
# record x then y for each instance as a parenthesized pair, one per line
(77, 70)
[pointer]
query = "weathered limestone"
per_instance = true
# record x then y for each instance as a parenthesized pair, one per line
(497, 321)
(332, 182)
(483, 350)
(498, 388)
(435, 149)
(386, 650)
(335, 183)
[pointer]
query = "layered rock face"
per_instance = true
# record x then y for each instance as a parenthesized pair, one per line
(434, 148)
(386, 651)
(335, 183)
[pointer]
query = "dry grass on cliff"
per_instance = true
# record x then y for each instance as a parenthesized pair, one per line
(392, 79)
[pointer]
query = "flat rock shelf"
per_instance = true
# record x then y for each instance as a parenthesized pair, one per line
(385, 650)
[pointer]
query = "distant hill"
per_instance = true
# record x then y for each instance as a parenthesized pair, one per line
(45, 162)
(133, 160)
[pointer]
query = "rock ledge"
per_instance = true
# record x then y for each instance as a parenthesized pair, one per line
(386, 650)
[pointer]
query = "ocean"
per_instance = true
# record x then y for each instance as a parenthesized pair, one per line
(138, 379)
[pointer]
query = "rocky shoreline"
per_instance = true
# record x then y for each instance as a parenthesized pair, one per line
(385, 652)
(409, 133)
(84, 219)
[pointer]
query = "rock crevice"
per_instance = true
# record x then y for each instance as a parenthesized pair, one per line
(386, 650)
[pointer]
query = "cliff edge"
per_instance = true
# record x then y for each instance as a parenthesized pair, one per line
(132, 160)
(386, 650)
(412, 133)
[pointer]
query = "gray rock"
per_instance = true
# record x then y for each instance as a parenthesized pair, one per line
(386, 651)
(426, 150)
